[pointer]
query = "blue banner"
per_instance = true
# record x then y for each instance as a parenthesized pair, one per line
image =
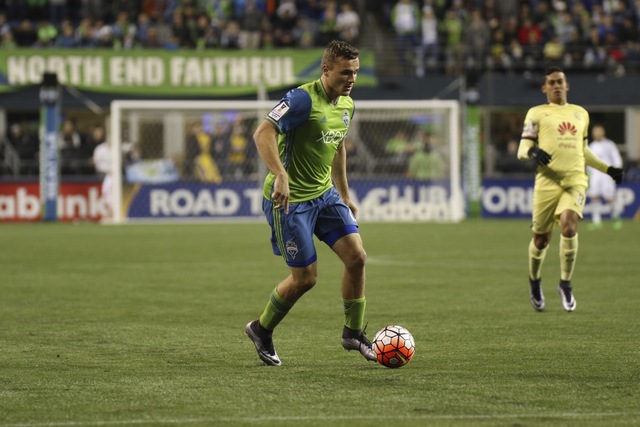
(403, 200)
(400, 200)
(514, 198)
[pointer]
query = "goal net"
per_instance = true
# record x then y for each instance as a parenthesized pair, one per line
(196, 160)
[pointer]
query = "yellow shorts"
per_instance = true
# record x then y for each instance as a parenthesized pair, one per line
(550, 201)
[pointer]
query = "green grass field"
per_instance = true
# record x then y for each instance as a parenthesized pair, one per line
(143, 325)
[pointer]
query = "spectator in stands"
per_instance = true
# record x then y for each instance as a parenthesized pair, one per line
(490, 13)
(47, 34)
(426, 162)
(405, 18)
(286, 17)
(606, 27)
(124, 31)
(553, 51)
(104, 37)
(5, 27)
(27, 147)
(237, 156)
(25, 34)
(304, 34)
(428, 46)
(230, 37)
(199, 162)
(185, 35)
(102, 163)
(499, 59)
(67, 36)
(75, 152)
(250, 19)
(348, 24)
(206, 39)
(565, 27)
(95, 136)
(530, 34)
(453, 28)
(508, 8)
(398, 145)
(328, 26)
(312, 9)
(574, 50)
(476, 40)
(7, 41)
(399, 149)
(85, 33)
(595, 53)
(6, 34)
(532, 40)
(581, 17)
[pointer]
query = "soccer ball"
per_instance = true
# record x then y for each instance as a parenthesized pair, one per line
(394, 346)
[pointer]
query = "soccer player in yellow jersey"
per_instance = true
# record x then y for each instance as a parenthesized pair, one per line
(555, 136)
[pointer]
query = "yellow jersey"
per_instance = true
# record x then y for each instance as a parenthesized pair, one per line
(561, 131)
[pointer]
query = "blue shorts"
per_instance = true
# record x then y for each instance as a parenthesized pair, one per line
(327, 217)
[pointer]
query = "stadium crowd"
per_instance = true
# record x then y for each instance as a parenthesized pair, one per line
(448, 35)
(505, 35)
(176, 24)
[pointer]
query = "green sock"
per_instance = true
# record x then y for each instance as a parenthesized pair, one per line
(275, 311)
(354, 313)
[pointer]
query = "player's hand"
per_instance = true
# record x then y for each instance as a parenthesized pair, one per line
(616, 173)
(353, 207)
(539, 155)
(280, 194)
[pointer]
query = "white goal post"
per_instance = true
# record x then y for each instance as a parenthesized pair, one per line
(196, 160)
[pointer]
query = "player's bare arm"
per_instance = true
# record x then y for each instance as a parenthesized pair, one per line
(339, 176)
(266, 139)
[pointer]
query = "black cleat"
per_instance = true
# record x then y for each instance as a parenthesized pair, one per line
(568, 301)
(264, 344)
(357, 340)
(536, 295)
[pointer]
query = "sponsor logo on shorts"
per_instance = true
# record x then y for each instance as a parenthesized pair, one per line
(292, 249)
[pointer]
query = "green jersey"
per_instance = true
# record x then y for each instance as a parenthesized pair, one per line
(311, 128)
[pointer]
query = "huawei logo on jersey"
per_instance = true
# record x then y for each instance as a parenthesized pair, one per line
(567, 127)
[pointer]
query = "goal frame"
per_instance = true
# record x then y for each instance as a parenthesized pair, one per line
(456, 200)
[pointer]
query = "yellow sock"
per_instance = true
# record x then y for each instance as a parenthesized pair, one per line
(568, 253)
(536, 258)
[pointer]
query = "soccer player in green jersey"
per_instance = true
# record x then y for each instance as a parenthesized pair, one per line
(555, 135)
(306, 193)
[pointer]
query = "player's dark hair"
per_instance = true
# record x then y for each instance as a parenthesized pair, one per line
(339, 49)
(551, 70)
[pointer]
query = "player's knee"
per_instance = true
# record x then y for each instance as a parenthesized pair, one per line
(306, 281)
(357, 260)
(541, 241)
(569, 229)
